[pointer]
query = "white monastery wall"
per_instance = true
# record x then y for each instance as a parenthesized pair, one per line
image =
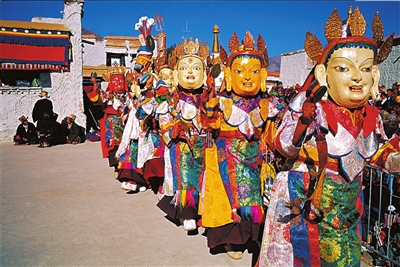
(295, 67)
(94, 54)
(390, 68)
(66, 91)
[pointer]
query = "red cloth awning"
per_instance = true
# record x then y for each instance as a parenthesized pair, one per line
(31, 49)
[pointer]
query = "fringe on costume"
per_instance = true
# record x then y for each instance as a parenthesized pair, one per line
(184, 198)
(252, 213)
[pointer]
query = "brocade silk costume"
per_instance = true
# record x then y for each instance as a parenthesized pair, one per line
(240, 148)
(183, 158)
(112, 126)
(291, 240)
(127, 152)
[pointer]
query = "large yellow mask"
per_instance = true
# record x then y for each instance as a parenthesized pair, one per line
(190, 72)
(246, 71)
(347, 66)
(350, 75)
(247, 75)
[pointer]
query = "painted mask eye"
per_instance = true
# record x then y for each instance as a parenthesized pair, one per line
(238, 71)
(367, 69)
(341, 69)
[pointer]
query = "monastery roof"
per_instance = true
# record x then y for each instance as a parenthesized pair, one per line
(90, 35)
(33, 25)
(100, 70)
(119, 41)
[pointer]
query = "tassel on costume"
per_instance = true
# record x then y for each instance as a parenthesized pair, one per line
(190, 199)
(175, 199)
(256, 214)
(249, 213)
(183, 198)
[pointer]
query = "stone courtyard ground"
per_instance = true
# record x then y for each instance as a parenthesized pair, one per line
(61, 206)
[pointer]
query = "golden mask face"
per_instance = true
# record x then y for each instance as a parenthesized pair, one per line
(190, 72)
(350, 75)
(246, 76)
(166, 74)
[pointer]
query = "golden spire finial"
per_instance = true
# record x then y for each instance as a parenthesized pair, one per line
(349, 14)
(215, 42)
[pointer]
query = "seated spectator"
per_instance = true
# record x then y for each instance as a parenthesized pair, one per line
(59, 135)
(26, 133)
(93, 135)
(74, 135)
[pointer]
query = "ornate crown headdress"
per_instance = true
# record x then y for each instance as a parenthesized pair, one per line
(190, 48)
(113, 70)
(352, 31)
(247, 47)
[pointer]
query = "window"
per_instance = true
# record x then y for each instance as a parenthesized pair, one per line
(115, 58)
(25, 78)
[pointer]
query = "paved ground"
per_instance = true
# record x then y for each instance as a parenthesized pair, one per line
(62, 207)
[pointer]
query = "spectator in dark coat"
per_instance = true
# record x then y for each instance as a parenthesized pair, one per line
(44, 115)
(74, 135)
(60, 132)
(26, 133)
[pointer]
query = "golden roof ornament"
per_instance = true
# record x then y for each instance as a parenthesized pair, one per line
(349, 14)
(352, 31)
(215, 40)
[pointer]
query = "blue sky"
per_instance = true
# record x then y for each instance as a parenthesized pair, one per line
(282, 24)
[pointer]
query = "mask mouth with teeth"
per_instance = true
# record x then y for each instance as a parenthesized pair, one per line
(356, 88)
(248, 84)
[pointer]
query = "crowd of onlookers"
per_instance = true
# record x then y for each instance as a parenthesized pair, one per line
(390, 108)
(48, 131)
(66, 132)
(389, 104)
